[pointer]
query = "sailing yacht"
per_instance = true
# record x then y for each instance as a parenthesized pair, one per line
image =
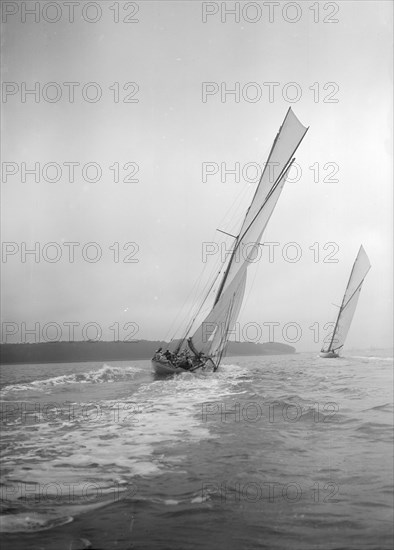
(203, 348)
(359, 271)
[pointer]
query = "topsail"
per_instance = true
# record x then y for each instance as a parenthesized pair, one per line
(212, 335)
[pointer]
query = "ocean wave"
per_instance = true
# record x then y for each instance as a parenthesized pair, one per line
(105, 374)
(30, 522)
(372, 357)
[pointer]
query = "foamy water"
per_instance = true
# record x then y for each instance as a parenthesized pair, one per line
(291, 450)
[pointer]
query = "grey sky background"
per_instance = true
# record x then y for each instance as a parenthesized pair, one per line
(170, 133)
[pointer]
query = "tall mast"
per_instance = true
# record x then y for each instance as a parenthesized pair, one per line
(343, 304)
(340, 312)
(229, 296)
(341, 308)
(237, 238)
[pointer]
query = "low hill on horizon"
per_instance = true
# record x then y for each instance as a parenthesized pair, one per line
(74, 352)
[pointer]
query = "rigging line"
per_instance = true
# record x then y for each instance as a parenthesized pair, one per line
(192, 298)
(215, 272)
(269, 157)
(282, 175)
(287, 166)
(213, 276)
(218, 265)
(358, 288)
(344, 296)
(342, 308)
(198, 311)
(190, 325)
(242, 215)
(237, 201)
(225, 232)
(232, 220)
(240, 238)
(245, 301)
(224, 338)
(251, 286)
(284, 171)
(181, 316)
(335, 349)
(240, 207)
(350, 277)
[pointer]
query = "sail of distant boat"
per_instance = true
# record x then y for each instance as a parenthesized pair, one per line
(359, 271)
(208, 341)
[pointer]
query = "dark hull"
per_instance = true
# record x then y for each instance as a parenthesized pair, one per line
(164, 367)
(329, 354)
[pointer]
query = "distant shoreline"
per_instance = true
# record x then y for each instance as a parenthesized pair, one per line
(82, 352)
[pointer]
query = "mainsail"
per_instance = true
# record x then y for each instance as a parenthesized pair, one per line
(212, 335)
(359, 271)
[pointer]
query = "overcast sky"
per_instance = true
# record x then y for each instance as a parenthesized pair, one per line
(342, 87)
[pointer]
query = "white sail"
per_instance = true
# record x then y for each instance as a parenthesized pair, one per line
(212, 335)
(360, 269)
(266, 196)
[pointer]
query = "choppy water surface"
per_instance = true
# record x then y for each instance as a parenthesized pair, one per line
(269, 452)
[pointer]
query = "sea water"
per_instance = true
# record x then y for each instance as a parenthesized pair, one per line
(277, 452)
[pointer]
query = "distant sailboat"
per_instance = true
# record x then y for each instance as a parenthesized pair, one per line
(205, 348)
(360, 269)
